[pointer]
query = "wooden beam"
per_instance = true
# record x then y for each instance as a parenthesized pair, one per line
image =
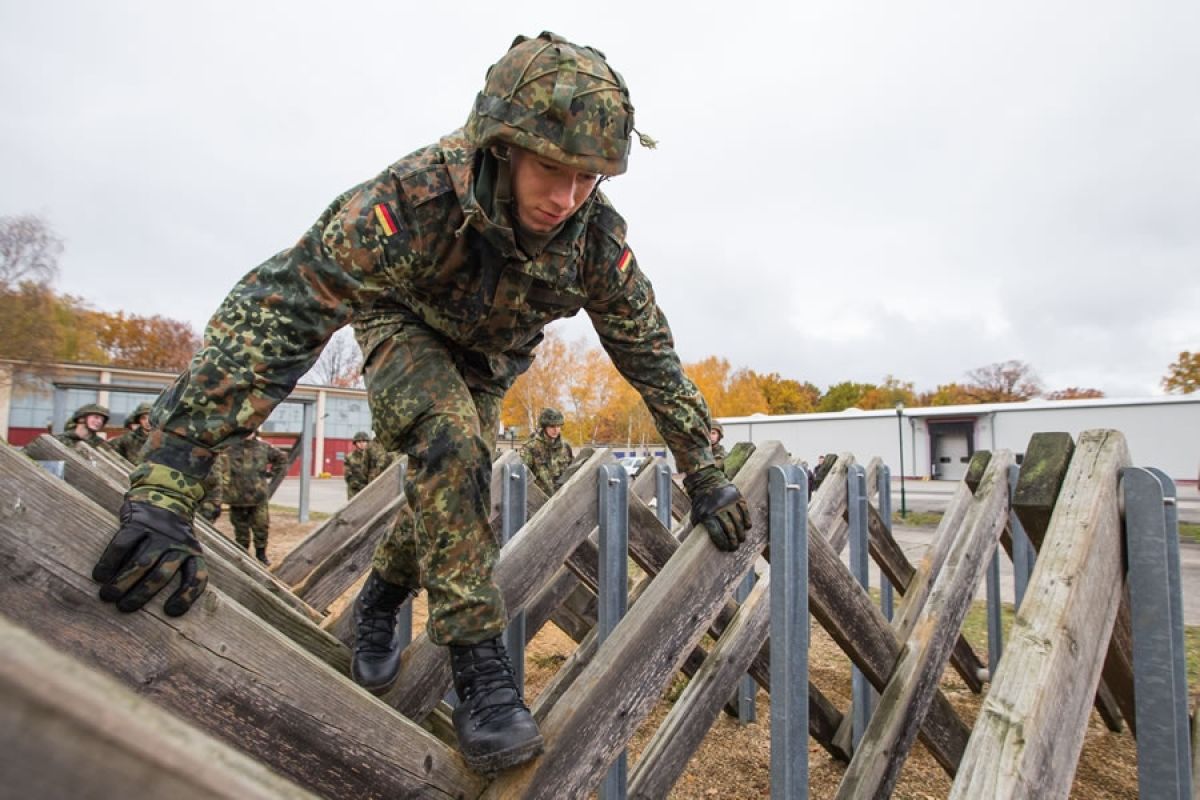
(325, 540)
(1032, 723)
(914, 681)
(66, 730)
(333, 576)
(600, 711)
(218, 666)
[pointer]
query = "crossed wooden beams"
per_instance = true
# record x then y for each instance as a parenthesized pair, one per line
(252, 665)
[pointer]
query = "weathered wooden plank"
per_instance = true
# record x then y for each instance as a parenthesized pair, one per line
(333, 576)
(1043, 470)
(1032, 723)
(218, 666)
(666, 756)
(333, 532)
(594, 719)
(254, 588)
(914, 681)
(68, 731)
(526, 563)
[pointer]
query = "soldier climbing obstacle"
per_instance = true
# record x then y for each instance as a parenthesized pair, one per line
(449, 263)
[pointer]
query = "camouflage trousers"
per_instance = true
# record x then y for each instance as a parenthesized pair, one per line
(429, 400)
(250, 519)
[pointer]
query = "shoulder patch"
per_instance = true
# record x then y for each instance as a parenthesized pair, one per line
(625, 260)
(386, 220)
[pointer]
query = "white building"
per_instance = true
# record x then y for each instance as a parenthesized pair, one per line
(938, 442)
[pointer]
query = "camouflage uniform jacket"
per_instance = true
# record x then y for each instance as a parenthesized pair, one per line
(252, 463)
(129, 444)
(546, 460)
(413, 246)
(719, 454)
(94, 439)
(364, 466)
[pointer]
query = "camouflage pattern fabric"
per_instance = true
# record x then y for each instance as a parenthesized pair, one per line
(129, 444)
(364, 466)
(252, 463)
(210, 505)
(718, 451)
(414, 256)
(250, 522)
(94, 439)
(547, 459)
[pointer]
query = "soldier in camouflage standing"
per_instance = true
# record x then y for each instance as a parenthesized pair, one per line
(546, 454)
(214, 488)
(85, 426)
(449, 263)
(715, 434)
(252, 463)
(137, 428)
(364, 463)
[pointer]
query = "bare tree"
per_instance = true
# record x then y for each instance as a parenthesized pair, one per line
(340, 363)
(29, 250)
(1003, 382)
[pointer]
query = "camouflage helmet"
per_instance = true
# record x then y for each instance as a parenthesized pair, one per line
(90, 408)
(138, 411)
(362, 436)
(559, 100)
(550, 417)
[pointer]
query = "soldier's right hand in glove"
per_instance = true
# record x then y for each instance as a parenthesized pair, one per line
(150, 547)
(719, 506)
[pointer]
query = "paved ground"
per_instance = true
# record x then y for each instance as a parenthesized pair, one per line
(328, 495)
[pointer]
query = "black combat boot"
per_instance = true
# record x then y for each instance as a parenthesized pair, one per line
(377, 647)
(261, 554)
(495, 729)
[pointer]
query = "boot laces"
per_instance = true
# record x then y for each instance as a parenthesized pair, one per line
(376, 623)
(490, 688)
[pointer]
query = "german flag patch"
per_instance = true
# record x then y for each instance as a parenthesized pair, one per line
(386, 221)
(625, 260)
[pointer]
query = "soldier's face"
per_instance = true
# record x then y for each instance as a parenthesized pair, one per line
(94, 422)
(547, 193)
(360, 445)
(714, 436)
(552, 431)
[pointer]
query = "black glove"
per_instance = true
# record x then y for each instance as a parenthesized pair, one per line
(151, 545)
(719, 505)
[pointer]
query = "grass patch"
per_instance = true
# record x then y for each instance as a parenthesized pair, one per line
(312, 515)
(918, 519)
(1189, 532)
(975, 630)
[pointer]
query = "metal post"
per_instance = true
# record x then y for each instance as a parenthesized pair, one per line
(307, 434)
(886, 601)
(856, 507)
(1163, 741)
(747, 686)
(59, 416)
(612, 492)
(512, 511)
(900, 433)
(788, 503)
(995, 636)
(1022, 549)
(662, 493)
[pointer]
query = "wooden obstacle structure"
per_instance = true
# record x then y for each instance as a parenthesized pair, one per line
(255, 675)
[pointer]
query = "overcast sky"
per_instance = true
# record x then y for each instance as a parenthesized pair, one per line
(842, 191)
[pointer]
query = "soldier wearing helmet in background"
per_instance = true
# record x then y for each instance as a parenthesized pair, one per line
(449, 263)
(364, 463)
(546, 454)
(137, 428)
(85, 426)
(715, 434)
(251, 463)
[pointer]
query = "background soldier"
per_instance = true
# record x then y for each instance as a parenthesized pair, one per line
(449, 263)
(137, 430)
(364, 463)
(214, 488)
(85, 426)
(252, 462)
(715, 434)
(546, 454)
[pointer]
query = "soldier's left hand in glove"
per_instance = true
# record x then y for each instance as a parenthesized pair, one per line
(151, 545)
(719, 506)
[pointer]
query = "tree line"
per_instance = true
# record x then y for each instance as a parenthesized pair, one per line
(39, 324)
